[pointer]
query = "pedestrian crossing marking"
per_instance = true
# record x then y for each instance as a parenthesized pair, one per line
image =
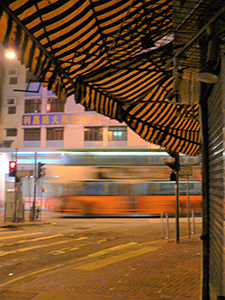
(19, 235)
(42, 238)
(38, 247)
(114, 259)
(4, 231)
(109, 250)
(32, 248)
(32, 240)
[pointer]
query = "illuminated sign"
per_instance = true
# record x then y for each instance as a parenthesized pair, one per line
(53, 119)
(64, 119)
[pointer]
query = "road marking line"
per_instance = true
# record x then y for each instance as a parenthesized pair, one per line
(20, 235)
(31, 248)
(9, 232)
(74, 249)
(32, 240)
(57, 252)
(30, 274)
(82, 238)
(147, 243)
(42, 238)
(67, 249)
(114, 259)
(37, 247)
(101, 241)
(108, 250)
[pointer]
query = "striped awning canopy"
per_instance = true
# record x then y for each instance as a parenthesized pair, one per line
(111, 55)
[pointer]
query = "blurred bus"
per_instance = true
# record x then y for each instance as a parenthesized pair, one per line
(123, 197)
(111, 183)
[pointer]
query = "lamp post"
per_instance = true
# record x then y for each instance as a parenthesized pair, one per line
(35, 187)
(175, 166)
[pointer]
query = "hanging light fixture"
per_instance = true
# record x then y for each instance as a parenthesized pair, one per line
(208, 72)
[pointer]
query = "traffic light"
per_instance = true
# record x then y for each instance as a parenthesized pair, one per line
(175, 163)
(12, 168)
(40, 171)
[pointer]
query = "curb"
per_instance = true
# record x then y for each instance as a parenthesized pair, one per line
(20, 224)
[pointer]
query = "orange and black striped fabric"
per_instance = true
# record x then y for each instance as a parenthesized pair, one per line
(111, 55)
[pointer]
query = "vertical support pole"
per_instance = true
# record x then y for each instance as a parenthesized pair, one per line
(35, 186)
(177, 208)
(175, 166)
(193, 221)
(205, 189)
(188, 207)
(42, 179)
(15, 193)
(29, 192)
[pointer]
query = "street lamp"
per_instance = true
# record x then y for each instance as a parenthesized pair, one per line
(10, 54)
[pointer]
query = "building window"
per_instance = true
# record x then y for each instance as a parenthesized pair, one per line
(13, 80)
(32, 134)
(12, 110)
(11, 132)
(13, 71)
(55, 134)
(10, 101)
(32, 106)
(54, 105)
(93, 133)
(117, 133)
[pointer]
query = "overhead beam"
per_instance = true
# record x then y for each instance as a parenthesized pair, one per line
(196, 38)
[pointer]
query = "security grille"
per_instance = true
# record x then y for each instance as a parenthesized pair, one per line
(216, 191)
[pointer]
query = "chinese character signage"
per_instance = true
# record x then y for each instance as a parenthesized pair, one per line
(63, 119)
(53, 119)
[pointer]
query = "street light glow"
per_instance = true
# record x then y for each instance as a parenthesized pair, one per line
(10, 54)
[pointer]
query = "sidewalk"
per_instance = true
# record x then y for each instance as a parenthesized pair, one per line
(170, 271)
(27, 222)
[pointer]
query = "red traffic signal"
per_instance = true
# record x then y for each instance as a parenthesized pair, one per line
(12, 168)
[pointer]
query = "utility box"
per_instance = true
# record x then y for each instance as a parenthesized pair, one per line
(14, 206)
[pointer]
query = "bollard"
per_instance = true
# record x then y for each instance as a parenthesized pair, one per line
(193, 221)
(167, 226)
(162, 233)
